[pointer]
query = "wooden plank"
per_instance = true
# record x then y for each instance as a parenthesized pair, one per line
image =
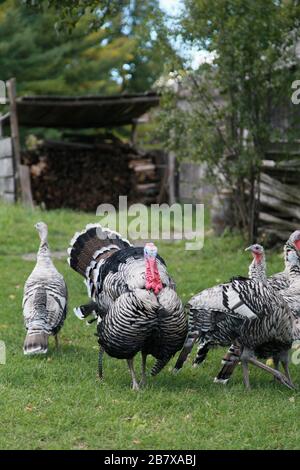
(276, 221)
(26, 185)
(3, 117)
(279, 193)
(11, 89)
(147, 187)
(287, 165)
(146, 167)
(22, 186)
(276, 204)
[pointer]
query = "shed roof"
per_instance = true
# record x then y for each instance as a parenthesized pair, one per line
(83, 111)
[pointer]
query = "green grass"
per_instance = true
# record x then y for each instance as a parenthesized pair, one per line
(56, 402)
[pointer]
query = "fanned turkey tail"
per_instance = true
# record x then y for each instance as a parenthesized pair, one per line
(187, 348)
(229, 362)
(159, 365)
(36, 342)
(90, 248)
(94, 243)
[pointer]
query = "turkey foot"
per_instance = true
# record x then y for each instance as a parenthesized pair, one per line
(278, 375)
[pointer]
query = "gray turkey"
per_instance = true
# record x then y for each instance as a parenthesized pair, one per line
(255, 317)
(280, 282)
(44, 300)
(136, 303)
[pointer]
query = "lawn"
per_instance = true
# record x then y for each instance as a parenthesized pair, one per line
(56, 402)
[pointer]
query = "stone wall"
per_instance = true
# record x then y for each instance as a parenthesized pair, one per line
(7, 183)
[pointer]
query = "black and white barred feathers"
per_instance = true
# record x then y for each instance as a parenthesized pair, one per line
(208, 305)
(44, 300)
(131, 318)
(287, 284)
(254, 316)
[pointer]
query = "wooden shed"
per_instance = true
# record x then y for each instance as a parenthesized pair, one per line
(78, 158)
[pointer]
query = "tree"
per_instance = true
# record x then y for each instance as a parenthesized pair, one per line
(83, 47)
(126, 53)
(230, 102)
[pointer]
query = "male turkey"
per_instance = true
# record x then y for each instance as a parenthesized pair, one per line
(44, 300)
(136, 303)
(279, 282)
(256, 317)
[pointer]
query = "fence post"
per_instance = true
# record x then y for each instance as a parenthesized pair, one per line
(22, 176)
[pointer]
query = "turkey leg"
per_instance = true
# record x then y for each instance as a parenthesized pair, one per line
(284, 359)
(247, 357)
(144, 379)
(135, 385)
(100, 362)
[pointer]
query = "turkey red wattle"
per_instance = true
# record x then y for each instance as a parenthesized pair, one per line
(297, 244)
(152, 276)
(153, 280)
(258, 257)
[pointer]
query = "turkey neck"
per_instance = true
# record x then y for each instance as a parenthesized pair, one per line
(294, 273)
(44, 254)
(257, 269)
(287, 264)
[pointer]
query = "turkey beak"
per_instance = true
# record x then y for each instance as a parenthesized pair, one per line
(249, 248)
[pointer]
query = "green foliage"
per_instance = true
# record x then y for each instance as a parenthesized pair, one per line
(68, 12)
(221, 113)
(57, 402)
(82, 47)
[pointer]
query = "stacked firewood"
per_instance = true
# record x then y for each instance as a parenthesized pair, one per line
(82, 175)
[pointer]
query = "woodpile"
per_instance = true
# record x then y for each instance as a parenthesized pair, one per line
(83, 174)
(279, 194)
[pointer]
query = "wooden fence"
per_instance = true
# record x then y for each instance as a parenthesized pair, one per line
(279, 191)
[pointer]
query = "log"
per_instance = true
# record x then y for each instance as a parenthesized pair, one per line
(277, 222)
(278, 205)
(82, 175)
(287, 165)
(277, 189)
(26, 185)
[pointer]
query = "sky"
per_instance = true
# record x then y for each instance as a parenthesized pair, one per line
(193, 55)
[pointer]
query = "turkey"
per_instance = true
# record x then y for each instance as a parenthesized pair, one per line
(44, 300)
(211, 300)
(136, 303)
(257, 317)
(279, 281)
